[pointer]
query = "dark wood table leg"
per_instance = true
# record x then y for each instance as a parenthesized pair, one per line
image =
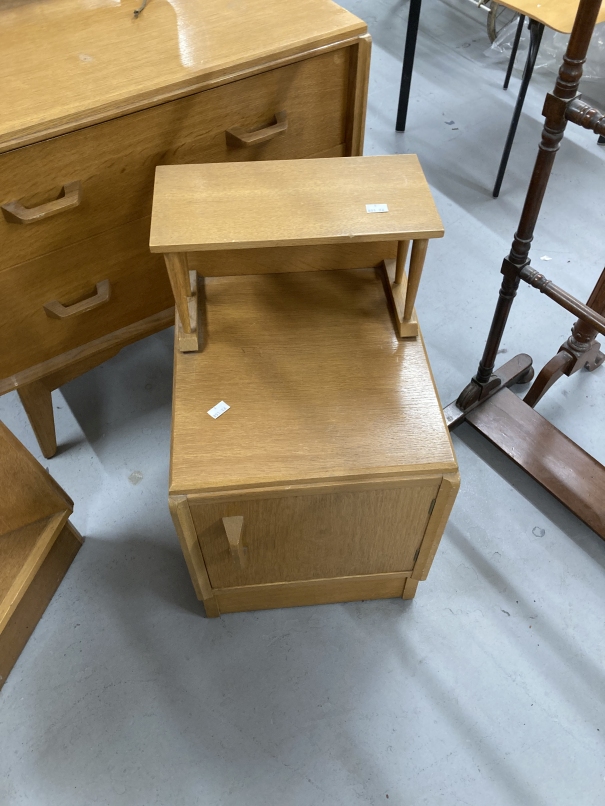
(581, 350)
(408, 63)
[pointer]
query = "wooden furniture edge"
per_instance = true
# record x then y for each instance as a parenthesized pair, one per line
(311, 591)
(358, 97)
(436, 525)
(35, 600)
(22, 581)
(297, 486)
(409, 588)
(396, 294)
(185, 529)
(99, 347)
(181, 89)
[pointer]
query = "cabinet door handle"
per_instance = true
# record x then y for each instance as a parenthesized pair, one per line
(240, 137)
(16, 213)
(56, 310)
(234, 528)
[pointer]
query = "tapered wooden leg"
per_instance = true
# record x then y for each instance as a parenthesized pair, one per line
(37, 402)
(419, 248)
(409, 588)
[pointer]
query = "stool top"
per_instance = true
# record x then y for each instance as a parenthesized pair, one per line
(291, 202)
(557, 14)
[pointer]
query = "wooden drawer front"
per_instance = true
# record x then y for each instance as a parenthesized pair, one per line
(139, 288)
(316, 536)
(115, 161)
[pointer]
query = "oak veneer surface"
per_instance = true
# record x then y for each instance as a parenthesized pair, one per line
(68, 60)
(114, 161)
(319, 387)
(264, 204)
(557, 14)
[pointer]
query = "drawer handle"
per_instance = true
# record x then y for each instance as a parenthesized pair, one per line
(56, 310)
(16, 213)
(240, 137)
(234, 528)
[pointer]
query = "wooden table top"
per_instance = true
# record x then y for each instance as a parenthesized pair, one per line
(318, 384)
(556, 14)
(66, 61)
(290, 203)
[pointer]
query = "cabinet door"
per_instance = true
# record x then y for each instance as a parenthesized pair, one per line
(300, 537)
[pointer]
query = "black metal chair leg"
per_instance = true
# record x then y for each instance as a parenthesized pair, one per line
(408, 63)
(513, 53)
(536, 29)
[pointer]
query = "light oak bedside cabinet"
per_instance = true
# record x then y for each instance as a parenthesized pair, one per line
(331, 474)
(93, 100)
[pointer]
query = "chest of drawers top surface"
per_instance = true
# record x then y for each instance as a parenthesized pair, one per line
(67, 61)
(319, 386)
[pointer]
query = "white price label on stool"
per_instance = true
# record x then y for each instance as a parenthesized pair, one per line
(377, 208)
(219, 409)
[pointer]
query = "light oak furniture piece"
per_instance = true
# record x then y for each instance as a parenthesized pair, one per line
(37, 545)
(214, 220)
(92, 100)
(331, 476)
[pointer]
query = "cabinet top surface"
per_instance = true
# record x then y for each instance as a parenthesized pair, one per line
(319, 387)
(62, 60)
(287, 203)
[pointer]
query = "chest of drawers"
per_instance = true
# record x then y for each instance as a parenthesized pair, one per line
(96, 100)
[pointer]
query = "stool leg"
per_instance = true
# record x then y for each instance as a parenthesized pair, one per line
(415, 273)
(536, 29)
(402, 253)
(408, 63)
(513, 53)
(178, 273)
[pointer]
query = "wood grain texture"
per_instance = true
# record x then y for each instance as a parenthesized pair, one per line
(441, 510)
(409, 588)
(36, 399)
(326, 257)
(310, 592)
(21, 557)
(313, 537)
(22, 622)
(557, 14)
(115, 161)
(183, 523)
(28, 336)
(318, 383)
(571, 474)
(289, 203)
(29, 493)
(174, 45)
(396, 294)
(66, 366)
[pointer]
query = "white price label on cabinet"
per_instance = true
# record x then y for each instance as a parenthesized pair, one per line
(377, 208)
(219, 409)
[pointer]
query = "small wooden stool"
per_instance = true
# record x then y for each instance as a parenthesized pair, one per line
(298, 215)
(330, 474)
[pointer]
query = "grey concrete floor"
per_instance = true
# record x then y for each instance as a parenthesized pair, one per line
(488, 687)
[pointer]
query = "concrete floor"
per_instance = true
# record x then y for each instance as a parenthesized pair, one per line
(488, 687)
